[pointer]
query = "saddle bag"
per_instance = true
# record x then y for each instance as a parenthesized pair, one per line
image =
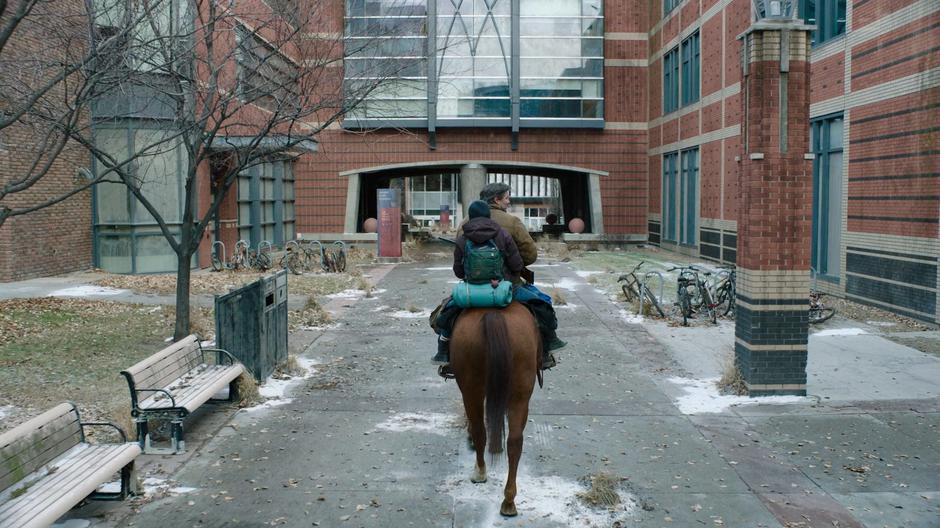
(468, 295)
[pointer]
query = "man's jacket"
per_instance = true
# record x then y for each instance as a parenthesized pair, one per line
(481, 229)
(518, 232)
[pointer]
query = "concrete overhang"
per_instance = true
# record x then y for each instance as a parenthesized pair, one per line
(535, 168)
(269, 143)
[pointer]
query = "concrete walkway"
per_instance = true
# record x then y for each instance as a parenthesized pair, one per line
(374, 439)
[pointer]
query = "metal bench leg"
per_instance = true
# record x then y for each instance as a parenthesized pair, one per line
(177, 443)
(143, 433)
(129, 484)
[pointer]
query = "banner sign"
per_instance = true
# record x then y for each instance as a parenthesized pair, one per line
(389, 242)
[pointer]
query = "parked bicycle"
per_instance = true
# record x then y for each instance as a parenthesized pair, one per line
(724, 292)
(818, 311)
(693, 294)
(636, 290)
(293, 258)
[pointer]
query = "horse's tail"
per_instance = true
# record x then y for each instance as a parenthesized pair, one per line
(499, 372)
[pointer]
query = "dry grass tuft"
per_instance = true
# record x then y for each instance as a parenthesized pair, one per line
(602, 490)
(558, 298)
(312, 314)
(290, 368)
(247, 388)
(731, 381)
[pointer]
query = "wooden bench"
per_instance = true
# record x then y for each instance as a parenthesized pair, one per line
(174, 382)
(48, 467)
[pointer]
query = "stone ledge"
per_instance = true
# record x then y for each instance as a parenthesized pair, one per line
(362, 238)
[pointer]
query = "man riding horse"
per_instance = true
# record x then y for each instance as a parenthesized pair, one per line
(497, 197)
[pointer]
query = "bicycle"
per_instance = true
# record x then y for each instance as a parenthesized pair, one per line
(293, 259)
(818, 312)
(218, 256)
(240, 255)
(724, 292)
(635, 290)
(693, 294)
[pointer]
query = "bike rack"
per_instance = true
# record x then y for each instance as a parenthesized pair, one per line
(220, 254)
(662, 284)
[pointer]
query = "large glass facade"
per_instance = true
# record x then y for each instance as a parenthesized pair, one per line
(127, 237)
(470, 47)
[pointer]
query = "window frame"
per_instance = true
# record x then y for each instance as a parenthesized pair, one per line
(823, 180)
(826, 18)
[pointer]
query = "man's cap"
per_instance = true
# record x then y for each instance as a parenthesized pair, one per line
(493, 190)
(479, 208)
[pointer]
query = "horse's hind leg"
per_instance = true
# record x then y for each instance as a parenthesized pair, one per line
(518, 414)
(473, 405)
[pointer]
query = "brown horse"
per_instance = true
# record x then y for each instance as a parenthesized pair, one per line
(497, 366)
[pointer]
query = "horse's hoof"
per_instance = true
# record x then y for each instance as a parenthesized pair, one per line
(508, 510)
(478, 477)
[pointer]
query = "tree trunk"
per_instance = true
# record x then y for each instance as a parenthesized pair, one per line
(183, 271)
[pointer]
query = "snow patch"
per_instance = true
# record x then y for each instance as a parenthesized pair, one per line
(551, 499)
(86, 290)
(566, 306)
(73, 523)
(840, 332)
(154, 486)
(631, 318)
(586, 274)
(5, 410)
(275, 389)
(320, 327)
(436, 423)
(543, 265)
(407, 314)
(208, 343)
(881, 323)
(347, 294)
(439, 268)
(565, 284)
(380, 308)
(702, 397)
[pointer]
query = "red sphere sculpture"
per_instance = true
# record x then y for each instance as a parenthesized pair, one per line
(371, 225)
(576, 225)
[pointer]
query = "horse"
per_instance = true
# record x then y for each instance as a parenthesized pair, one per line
(498, 367)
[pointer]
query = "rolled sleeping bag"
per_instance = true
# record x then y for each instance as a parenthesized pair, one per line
(466, 295)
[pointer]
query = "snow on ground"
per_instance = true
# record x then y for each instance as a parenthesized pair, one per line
(702, 397)
(839, 332)
(73, 523)
(5, 410)
(275, 389)
(881, 323)
(550, 499)
(86, 290)
(380, 308)
(437, 423)
(565, 284)
(566, 306)
(320, 327)
(407, 314)
(347, 294)
(542, 265)
(439, 268)
(631, 318)
(586, 274)
(154, 486)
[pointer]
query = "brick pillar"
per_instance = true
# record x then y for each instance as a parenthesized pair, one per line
(775, 210)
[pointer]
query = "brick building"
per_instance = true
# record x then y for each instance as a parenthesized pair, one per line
(635, 110)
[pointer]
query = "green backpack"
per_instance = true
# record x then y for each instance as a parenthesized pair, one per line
(482, 262)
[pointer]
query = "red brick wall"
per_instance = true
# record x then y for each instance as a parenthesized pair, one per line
(55, 239)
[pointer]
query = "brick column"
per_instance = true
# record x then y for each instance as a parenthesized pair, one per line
(775, 210)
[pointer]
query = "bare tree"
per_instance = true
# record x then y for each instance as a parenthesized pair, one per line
(226, 86)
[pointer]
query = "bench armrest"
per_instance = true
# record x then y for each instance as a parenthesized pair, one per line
(222, 353)
(107, 424)
(164, 391)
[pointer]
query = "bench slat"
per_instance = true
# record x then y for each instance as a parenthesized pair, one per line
(174, 348)
(171, 365)
(198, 390)
(79, 473)
(33, 444)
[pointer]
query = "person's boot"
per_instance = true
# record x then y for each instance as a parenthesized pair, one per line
(550, 342)
(443, 352)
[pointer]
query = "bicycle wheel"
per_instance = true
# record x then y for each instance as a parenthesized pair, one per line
(685, 306)
(630, 290)
(217, 264)
(709, 305)
(819, 315)
(263, 261)
(341, 261)
(653, 301)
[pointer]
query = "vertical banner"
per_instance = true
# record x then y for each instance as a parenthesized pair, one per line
(445, 216)
(389, 223)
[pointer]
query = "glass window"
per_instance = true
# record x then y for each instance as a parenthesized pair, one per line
(159, 169)
(266, 77)
(560, 40)
(826, 144)
(266, 209)
(688, 210)
(669, 5)
(671, 81)
(670, 196)
(827, 15)
(691, 69)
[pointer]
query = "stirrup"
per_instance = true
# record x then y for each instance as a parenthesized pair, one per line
(445, 372)
(548, 362)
